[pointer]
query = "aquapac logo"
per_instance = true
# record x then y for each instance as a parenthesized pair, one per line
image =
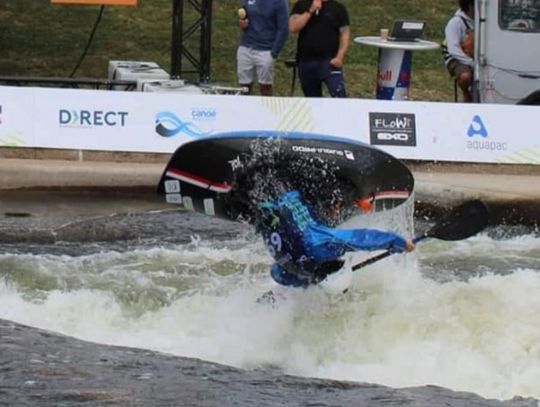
(478, 137)
(169, 125)
(477, 128)
(392, 129)
(91, 118)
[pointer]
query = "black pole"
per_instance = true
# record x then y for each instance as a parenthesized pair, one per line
(206, 41)
(176, 38)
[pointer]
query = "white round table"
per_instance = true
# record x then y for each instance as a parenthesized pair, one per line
(395, 64)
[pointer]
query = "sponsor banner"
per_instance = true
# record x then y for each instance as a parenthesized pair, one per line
(474, 133)
(394, 74)
(160, 122)
(92, 120)
(392, 129)
(16, 113)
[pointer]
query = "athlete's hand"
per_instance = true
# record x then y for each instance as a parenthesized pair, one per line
(409, 245)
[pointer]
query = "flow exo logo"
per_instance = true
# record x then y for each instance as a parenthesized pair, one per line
(392, 129)
(477, 128)
(169, 125)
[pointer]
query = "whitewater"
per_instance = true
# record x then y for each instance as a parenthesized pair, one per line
(463, 315)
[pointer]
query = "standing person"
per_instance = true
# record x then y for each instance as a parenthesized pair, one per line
(265, 30)
(458, 47)
(323, 40)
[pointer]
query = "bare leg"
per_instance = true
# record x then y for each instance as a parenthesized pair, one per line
(465, 82)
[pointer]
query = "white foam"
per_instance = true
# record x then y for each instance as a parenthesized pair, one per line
(394, 327)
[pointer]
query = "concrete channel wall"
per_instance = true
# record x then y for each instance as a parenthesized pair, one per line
(511, 191)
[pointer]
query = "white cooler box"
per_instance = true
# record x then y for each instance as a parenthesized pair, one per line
(133, 70)
(172, 86)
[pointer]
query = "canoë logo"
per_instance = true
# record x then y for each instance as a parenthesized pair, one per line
(392, 129)
(476, 129)
(203, 113)
(169, 125)
(91, 118)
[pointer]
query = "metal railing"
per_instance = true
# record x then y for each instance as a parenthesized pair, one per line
(76, 83)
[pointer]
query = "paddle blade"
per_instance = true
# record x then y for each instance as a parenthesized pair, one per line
(462, 222)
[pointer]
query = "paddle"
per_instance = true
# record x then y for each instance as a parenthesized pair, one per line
(462, 222)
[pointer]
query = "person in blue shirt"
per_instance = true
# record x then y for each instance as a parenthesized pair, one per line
(307, 251)
(265, 27)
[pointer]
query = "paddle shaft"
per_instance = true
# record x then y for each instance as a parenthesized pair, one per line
(386, 254)
(462, 222)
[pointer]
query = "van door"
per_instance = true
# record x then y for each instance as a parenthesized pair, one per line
(507, 63)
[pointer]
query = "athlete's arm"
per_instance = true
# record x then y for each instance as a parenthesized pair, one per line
(327, 242)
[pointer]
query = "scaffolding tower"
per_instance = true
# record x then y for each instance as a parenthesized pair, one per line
(189, 22)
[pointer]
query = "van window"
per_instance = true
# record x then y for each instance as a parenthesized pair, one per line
(519, 15)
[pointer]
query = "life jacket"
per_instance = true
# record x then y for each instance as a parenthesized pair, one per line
(282, 224)
(467, 44)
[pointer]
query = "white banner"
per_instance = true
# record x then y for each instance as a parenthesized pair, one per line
(160, 122)
(16, 117)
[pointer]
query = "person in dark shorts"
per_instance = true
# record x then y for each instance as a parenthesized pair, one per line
(458, 47)
(323, 41)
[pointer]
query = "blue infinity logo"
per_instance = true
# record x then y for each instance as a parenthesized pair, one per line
(170, 125)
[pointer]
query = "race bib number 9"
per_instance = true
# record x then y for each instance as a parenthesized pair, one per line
(274, 244)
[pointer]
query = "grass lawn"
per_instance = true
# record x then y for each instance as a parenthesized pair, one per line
(38, 38)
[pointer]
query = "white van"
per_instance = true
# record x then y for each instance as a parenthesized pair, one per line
(507, 51)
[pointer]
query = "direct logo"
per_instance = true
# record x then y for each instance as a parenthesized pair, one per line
(392, 129)
(91, 118)
(169, 125)
(478, 137)
(203, 113)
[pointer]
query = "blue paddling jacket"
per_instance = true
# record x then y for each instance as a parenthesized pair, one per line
(306, 251)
